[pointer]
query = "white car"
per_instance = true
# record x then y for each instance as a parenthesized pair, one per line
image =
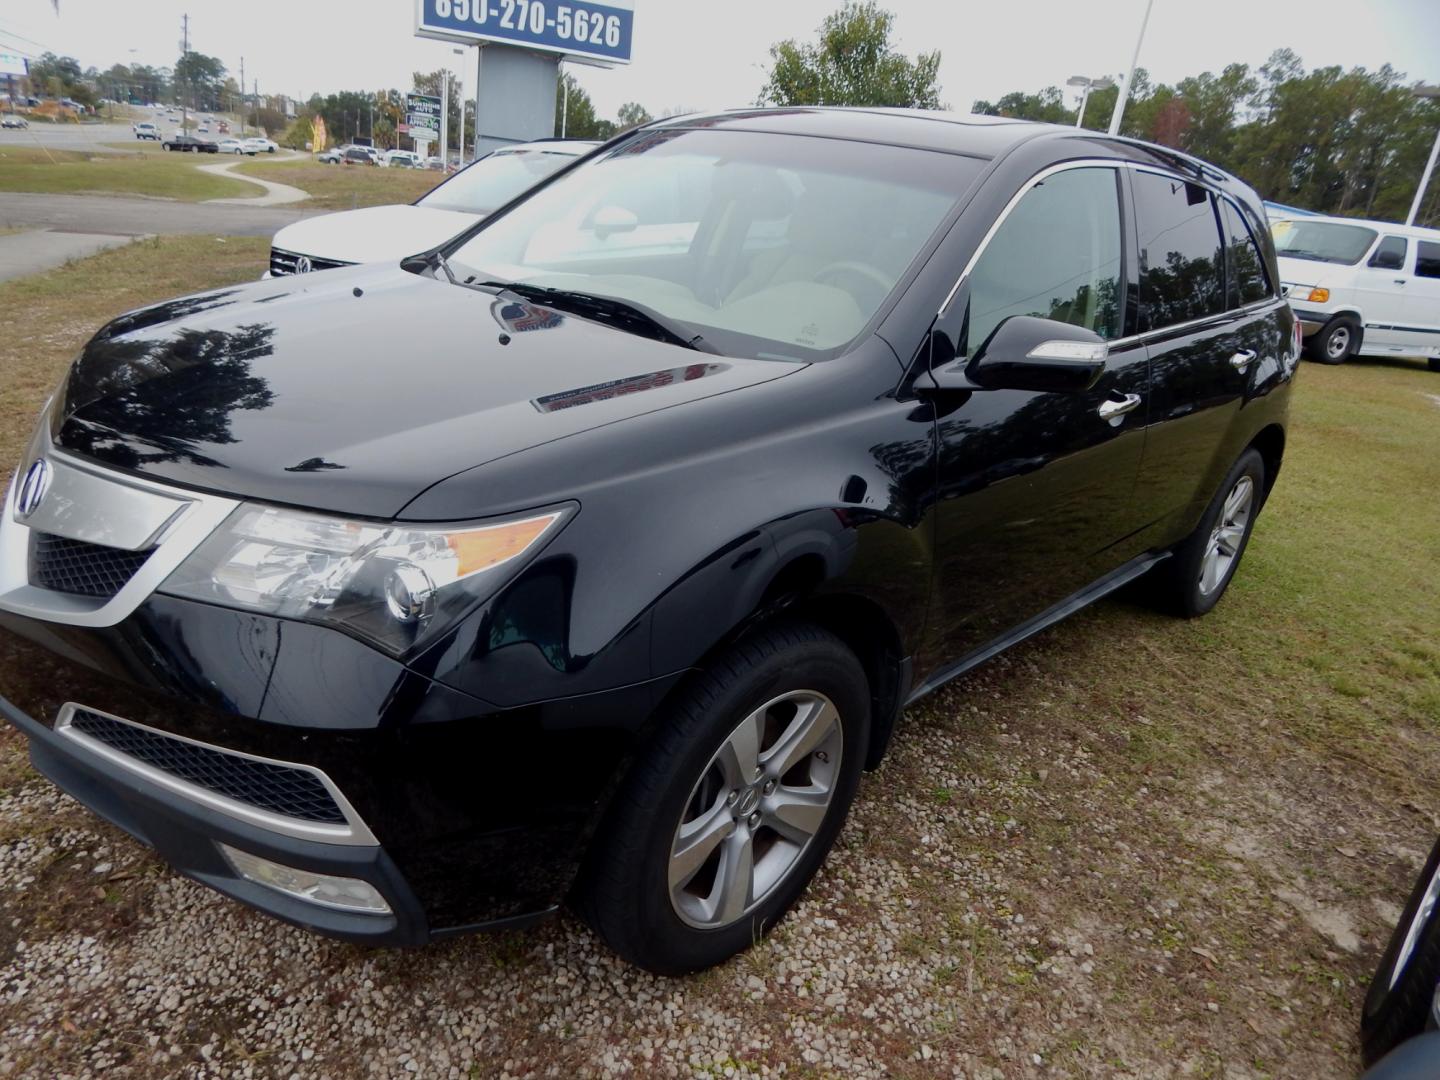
(259, 145)
(1362, 288)
(146, 130)
(234, 146)
(405, 159)
(378, 233)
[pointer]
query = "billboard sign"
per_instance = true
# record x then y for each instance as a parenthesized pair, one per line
(422, 117)
(12, 63)
(578, 29)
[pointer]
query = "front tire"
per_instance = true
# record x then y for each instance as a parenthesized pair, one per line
(1194, 578)
(725, 819)
(1336, 341)
(1400, 997)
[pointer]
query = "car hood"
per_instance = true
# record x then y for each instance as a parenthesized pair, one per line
(354, 390)
(1306, 271)
(374, 234)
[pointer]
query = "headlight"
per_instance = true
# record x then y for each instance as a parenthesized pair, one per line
(396, 585)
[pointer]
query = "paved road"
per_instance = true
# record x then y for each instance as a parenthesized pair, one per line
(30, 252)
(122, 216)
(86, 138)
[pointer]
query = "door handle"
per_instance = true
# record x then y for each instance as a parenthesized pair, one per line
(1242, 359)
(1398, 280)
(1111, 409)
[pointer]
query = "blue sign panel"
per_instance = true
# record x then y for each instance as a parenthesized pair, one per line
(587, 31)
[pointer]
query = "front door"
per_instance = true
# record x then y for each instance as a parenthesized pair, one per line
(1381, 284)
(1036, 488)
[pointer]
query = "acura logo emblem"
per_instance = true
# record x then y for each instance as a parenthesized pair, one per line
(302, 265)
(32, 488)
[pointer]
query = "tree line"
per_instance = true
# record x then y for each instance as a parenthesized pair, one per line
(1339, 142)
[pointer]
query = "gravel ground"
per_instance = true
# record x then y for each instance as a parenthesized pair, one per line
(1001, 905)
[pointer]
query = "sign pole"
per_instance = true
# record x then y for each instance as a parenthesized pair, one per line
(479, 63)
(444, 120)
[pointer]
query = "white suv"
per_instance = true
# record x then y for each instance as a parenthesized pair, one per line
(1362, 288)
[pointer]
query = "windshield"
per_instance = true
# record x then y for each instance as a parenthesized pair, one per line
(764, 245)
(494, 180)
(1322, 241)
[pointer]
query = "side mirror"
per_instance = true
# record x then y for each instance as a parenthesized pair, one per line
(1029, 353)
(609, 220)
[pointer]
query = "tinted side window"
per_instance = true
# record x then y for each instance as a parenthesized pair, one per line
(1390, 254)
(1245, 267)
(1056, 256)
(1181, 265)
(1427, 259)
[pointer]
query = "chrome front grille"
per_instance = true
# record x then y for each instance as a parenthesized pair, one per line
(281, 796)
(81, 568)
(283, 263)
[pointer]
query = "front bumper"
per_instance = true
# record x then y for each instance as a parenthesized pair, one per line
(1310, 320)
(186, 834)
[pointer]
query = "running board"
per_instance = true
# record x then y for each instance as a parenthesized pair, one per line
(1049, 617)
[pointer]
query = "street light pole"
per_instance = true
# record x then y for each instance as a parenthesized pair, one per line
(1423, 91)
(1086, 84)
(1130, 78)
(461, 53)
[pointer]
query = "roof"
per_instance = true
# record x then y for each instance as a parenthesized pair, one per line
(959, 133)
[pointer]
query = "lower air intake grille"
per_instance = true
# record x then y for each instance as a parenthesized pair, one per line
(81, 568)
(280, 789)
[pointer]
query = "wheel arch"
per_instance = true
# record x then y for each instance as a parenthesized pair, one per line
(1270, 442)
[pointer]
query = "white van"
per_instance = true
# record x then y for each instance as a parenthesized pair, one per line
(1362, 288)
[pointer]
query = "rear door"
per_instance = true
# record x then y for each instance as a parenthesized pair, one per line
(1421, 313)
(1208, 339)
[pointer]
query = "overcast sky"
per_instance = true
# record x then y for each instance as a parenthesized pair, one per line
(713, 55)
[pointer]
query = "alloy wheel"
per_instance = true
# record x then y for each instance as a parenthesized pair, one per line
(1228, 534)
(1338, 344)
(755, 808)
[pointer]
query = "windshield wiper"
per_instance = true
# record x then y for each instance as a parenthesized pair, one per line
(627, 315)
(1301, 253)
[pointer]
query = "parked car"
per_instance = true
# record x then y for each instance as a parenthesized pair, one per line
(261, 145)
(1403, 1001)
(146, 130)
(359, 155)
(235, 146)
(392, 232)
(191, 144)
(1362, 288)
(404, 159)
(12, 121)
(610, 583)
(331, 156)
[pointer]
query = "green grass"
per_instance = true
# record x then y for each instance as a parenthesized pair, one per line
(45, 318)
(145, 171)
(345, 187)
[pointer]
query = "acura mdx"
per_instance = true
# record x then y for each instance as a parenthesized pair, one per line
(591, 555)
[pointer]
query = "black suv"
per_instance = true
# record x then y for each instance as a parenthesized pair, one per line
(594, 554)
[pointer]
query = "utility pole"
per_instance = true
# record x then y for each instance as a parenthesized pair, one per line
(1423, 91)
(184, 52)
(242, 97)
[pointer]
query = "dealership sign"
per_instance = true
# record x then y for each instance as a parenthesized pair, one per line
(422, 117)
(593, 33)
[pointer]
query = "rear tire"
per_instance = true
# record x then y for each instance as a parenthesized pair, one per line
(1399, 1000)
(723, 821)
(1195, 577)
(1336, 341)
(1435, 363)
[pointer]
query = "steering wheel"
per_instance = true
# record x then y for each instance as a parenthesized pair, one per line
(854, 269)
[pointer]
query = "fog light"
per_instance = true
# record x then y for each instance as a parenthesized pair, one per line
(327, 890)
